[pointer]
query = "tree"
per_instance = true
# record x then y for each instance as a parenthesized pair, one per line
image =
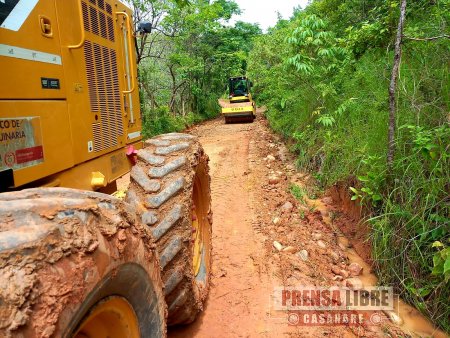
(187, 57)
(393, 86)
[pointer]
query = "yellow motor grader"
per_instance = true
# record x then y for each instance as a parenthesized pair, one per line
(74, 260)
(241, 106)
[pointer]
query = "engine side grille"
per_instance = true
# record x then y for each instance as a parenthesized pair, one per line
(91, 78)
(110, 29)
(93, 15)
(102, 76)
(85, 16)
(96, 130)
(116, 89)
(103, 28)
(98, 20)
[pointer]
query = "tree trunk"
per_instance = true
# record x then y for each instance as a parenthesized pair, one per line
(393, 87)
(173, 91)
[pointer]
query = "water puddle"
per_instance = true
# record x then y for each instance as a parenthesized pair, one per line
(408, 318)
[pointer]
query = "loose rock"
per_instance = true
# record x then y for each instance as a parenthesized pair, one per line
(335, 270)
(289, 249)
(354, 283)
(287, 207)
(355, 269)
(321, 244)
(335, 256)
(276, 220)
(277, 245)
(274, 179)
(270, 158)
(303, 255)
(316, 236)
(290, 167)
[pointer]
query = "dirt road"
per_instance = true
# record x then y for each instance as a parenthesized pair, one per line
(245, 265)
(241, 284)
(252, 179)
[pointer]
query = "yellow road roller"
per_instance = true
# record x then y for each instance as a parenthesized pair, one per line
(240, 107)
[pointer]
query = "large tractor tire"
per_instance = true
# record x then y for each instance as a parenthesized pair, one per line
(170, 190)
(76, 263)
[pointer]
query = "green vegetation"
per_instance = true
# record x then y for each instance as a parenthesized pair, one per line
(324, 76)
(185, 61)
(298, 192)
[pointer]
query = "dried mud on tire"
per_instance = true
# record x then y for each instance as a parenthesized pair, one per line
(169, 180)
(58, 250)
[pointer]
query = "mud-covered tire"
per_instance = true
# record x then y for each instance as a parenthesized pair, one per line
(170, 178)
(64, 251)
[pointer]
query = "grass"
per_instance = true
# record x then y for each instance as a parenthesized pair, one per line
(298, 192)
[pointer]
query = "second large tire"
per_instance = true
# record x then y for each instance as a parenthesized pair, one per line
(170, 190)
(63, 254)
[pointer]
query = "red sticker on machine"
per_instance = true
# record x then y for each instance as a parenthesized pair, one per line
(20, 142)
(29, 154)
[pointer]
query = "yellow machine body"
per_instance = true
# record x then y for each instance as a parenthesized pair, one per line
(238, 99)
(239, 109)
(241, 104)
(69, 104)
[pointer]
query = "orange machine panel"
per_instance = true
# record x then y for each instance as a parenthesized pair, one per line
(69, 76)
(99, 65)
(30, 53)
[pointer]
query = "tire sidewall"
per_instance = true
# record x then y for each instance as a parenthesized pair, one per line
(132, 282)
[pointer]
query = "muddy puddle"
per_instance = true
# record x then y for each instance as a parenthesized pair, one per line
(408, 318)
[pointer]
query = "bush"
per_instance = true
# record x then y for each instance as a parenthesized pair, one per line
(160, 121)
(410, 235)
